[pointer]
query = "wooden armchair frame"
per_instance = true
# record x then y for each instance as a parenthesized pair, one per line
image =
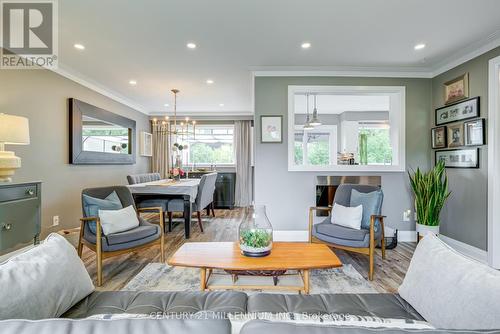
(370, 251)
(97, 247)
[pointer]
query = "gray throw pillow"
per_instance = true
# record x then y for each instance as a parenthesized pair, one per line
(92, 205)
(372, 205)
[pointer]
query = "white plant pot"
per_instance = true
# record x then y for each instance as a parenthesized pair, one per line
(422, 230)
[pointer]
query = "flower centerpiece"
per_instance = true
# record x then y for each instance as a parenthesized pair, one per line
(177, 172)
(256, 234)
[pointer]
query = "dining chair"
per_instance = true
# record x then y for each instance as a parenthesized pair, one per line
(204, 199)
(105, 246)
(361, 241)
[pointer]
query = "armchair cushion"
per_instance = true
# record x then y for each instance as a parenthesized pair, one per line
(343, 236)
(138, 233)
(115, 221)
(92, 205)
(372, 205)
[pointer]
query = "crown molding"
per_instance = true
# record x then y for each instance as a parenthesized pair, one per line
(96, 87)
(341, 71)
(467, 53)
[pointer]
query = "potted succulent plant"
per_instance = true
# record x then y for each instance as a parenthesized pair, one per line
(431, 192)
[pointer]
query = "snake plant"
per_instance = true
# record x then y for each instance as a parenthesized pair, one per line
(431, 192)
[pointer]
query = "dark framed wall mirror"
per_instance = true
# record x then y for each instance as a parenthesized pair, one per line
(100, 137)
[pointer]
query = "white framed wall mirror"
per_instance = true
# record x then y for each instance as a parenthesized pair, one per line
(346, 128)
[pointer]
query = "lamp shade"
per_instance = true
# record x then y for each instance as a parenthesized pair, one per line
(14, 130)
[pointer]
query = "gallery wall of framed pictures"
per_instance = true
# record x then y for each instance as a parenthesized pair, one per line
(459, 130)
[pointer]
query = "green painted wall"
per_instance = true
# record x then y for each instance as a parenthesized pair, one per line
(465, 216)
(288, 195)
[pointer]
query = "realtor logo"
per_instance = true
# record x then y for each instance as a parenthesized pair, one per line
(28, 34)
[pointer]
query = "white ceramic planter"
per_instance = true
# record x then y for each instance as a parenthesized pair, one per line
(425, 229)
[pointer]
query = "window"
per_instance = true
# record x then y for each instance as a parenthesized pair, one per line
(316, 147)
(375, 143)
(211, 145)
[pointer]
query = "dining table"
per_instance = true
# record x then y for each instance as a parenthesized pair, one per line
(185, 189)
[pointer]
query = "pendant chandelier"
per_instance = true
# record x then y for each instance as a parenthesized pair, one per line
(308, 125)
(172, 126)
(315, 120)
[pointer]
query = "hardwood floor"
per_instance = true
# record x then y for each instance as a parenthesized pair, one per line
(118, 271)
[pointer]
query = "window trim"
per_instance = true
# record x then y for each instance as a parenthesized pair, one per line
(397, 121)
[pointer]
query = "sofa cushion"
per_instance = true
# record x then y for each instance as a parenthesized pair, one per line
(264, 326)
(92, 205)
(147, 302)
(43, 282)
(138, 233)
(371, 203)
(341, 232)
(382, 305)
(121, 326)
(451, 290)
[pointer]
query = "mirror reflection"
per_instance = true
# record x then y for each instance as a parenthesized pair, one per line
(333, 129)
(104, 137)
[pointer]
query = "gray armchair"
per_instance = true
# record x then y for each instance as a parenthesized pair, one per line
(204, 199)
(361, 241)
(144, 235)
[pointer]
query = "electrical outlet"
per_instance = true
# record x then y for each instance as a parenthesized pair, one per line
(406, 215)
(55, 220)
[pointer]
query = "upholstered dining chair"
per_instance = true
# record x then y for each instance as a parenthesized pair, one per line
(105, 246)
(204, 199)
(148, 201)
(361, 241)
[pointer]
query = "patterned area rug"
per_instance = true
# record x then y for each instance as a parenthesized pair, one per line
(161, 277)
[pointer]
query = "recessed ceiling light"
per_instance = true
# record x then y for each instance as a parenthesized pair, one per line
(306, 45)
(166, 105)
(210, 81)
(79, 46)
(133, 82)
(419, 46)
(221, 104)
(191, 45)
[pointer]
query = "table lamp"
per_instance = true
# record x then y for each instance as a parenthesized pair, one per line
(14, 130)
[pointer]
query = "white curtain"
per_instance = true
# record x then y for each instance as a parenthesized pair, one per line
(242, 147)
(161, 151)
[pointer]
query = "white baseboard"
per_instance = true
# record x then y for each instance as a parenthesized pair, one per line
(471, 251)
(407, 236)
(292, 236)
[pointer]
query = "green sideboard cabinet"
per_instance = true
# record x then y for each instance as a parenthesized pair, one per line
(20, 214)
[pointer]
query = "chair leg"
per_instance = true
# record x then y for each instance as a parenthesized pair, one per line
(80, 243)
(212, 207)
(170, 221)
(198, 213)
(99, 267)
(208, 210)
(162, 240)
(382, 242)
(372, 251)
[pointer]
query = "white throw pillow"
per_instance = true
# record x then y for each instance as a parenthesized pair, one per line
(451, 290)
(43, 282)
(347, 216)
(114, 221)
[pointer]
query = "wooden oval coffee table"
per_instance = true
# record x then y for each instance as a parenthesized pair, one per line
(298, 256)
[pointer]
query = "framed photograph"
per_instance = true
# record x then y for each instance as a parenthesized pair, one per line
(438, 137)
(456, 89)
(146, 144)
(474, 132)
(456, 135)
(271, 129)
(460, 158)
(458, 111)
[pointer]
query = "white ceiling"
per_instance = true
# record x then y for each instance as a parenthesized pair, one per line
(337, 104)
(146, 41)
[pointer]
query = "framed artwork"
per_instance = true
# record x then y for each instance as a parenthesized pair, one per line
(146, 144)
(458, 111)
(456, 135)
(271, 129)
(439, 136)
(474, 132)
(459, 158)
(456, 89)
